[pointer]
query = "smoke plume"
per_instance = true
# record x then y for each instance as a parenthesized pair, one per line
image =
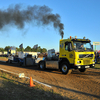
(18, 16)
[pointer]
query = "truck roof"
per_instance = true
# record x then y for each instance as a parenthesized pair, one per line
(74, 39)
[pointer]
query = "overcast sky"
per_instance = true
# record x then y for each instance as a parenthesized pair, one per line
(80, 18)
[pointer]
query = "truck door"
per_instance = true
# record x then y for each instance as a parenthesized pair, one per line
(69, 52)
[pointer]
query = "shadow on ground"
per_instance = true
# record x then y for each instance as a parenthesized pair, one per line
(11, 90)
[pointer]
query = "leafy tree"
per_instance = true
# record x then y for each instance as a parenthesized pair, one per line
(39, 49)
(34, 50)
(1, 49)
(44, 50)
(28, 48)
(19, 49)
(7, 48)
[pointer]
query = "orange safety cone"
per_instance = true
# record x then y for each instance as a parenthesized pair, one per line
(31, 82)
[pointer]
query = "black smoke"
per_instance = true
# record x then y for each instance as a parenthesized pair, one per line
(18, 16)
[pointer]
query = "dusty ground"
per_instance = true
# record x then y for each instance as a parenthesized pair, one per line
(85, 86)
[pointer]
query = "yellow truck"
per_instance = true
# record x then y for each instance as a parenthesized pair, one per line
(73, 54)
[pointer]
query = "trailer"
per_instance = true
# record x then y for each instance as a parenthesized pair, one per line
(14, 59)
(24, 59)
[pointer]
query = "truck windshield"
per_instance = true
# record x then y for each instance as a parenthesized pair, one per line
(82, 46)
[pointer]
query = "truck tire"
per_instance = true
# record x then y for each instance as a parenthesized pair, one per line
(42, 65)
(82, 70)
(65, 68)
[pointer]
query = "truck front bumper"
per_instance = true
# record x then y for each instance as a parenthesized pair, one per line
(82, 66)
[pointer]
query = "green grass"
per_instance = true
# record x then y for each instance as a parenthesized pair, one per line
(14, 89)
(3, 57)
(97, 66)
(4, 75)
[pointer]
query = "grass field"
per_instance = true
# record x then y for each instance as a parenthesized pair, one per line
(3, 57)
(14, 88)
(97, 66)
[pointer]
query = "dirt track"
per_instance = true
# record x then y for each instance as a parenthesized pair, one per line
(85, 86)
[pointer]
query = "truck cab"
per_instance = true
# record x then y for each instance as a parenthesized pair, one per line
(76, 53)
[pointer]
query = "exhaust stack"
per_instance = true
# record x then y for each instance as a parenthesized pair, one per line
(62, 34)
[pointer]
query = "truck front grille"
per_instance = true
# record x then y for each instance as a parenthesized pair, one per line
(85, 55)
(86, 62)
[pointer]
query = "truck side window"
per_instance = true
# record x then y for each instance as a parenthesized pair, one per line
(70, 46)
(66, 46)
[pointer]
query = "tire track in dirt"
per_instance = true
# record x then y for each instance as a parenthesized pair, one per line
(52, 79)
(77, 85)
(87, 82)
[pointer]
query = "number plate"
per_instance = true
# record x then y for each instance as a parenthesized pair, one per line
(87, 66)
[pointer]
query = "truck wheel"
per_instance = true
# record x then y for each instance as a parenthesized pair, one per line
(65, 68)
(42, 65)
(82, 70)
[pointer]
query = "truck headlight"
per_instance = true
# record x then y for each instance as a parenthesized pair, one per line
(78, 61)
(79, 66)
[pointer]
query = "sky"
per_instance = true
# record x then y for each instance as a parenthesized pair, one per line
(80, 18)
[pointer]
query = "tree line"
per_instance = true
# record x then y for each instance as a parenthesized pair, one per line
(28, 49)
